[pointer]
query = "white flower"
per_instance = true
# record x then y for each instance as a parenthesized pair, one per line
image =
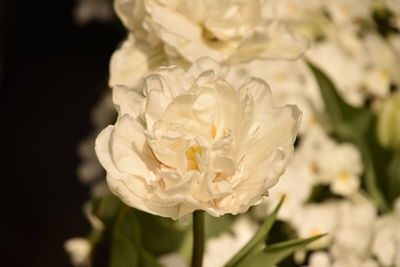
(195, 142)
(316, 219)
(79, 251)
(133, 61)
(386, 243)
(222, 29)
(319, 259)
(305, 16)
(345, 72)
(355, 225)
(223, 247)
(89, 170)
(172, 260)
(324, 259)
(295, 186)
(342, 168)
(356, 67)
(394, 7)
(354, 262)
(344, 11)
(87, 10)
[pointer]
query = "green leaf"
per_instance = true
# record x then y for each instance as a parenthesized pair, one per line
(217, 225)
(258, 238)
(275, 253)
(123, 248)
(107, 209)
(355, 125)
(172, 233)
(348, 120)
(123, 253)
(394, 177)
(126, 248)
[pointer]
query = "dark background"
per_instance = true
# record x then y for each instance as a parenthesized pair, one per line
(52, 72)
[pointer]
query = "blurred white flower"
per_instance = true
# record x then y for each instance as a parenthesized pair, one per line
(354, 231)
(341, 170)
(386, 241)
(304, 16)
(223, 247)
(229, 30)
(319, 259)
(316, 219)
(89, 170)
(133, 61)
(195, 142)
(172, 260)
(394, 41)
(295, 186)
(79, 251)
(324, 259)
(87, 10)
(354, 262)
(394, 7)
(344, 11)
(357, 76)
(345, 72)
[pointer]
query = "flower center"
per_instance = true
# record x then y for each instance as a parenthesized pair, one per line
(315, 232)
(343, 176)
(213, 131)
(191, 157)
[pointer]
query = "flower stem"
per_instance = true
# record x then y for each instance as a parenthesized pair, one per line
(198, 238)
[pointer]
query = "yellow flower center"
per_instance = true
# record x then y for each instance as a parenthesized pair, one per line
(191, 157)
(213, 131)
(314, 232)
(343, 176)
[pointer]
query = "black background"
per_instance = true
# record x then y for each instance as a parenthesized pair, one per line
(52, 72)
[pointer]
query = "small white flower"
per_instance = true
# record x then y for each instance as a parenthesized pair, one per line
(343, 11)
(357, 76)
(90, 170)
(345, 72)
(79, 251)
(295, 186)
(355, 225)
(223, 247)
(133, 61)
(342, 168)
(319, 259)
(195, 142)
(386, 242)
(316, 219)
(172, 260)
(87, 10)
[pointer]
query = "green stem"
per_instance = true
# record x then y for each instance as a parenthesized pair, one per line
(198, 238)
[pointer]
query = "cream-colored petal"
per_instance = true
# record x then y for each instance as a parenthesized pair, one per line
(280, 131)
(133, 61)
(273, 41)
(117, 180)
(130, 150)
(128, 102)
